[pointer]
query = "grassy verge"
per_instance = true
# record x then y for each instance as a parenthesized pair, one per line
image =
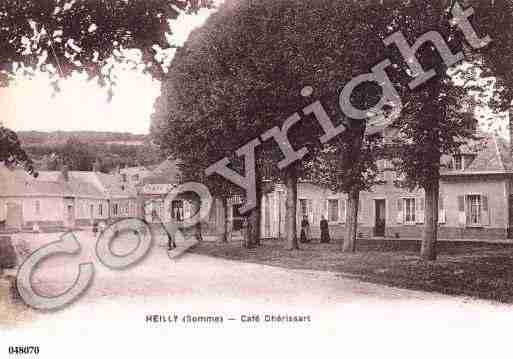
(480, 270)
(11, 314)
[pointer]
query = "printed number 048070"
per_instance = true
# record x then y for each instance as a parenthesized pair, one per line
(24, 350)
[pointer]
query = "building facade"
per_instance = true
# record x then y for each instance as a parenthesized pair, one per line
(60, 200)
(476, 201)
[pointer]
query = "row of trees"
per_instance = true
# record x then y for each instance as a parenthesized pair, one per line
(242, 74)
(82, 156)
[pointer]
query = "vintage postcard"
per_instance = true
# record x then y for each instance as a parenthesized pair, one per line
(256, 178)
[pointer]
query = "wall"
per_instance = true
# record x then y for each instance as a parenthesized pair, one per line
(496, 189)
(50, 209)
(126, 208)
(83, 208)
(50, 214)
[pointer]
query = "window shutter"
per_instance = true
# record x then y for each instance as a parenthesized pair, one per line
(461, 204)
(485, 211)
(400, 210)
(342, 206)
(419, 210)
(360, 208)
(441, 210)
(310, 211)
(299, 214)
(186, 209)
(316, 216)
(462, 218)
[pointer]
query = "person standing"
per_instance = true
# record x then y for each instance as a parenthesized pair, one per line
(305, 230)
(171, 244)
(325, 231)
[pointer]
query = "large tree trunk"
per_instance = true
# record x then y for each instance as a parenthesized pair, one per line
(352, 163)
(291, 208)
(196, 205)
(226, 220)
(429, 237)
(252, 231)
(348, 244)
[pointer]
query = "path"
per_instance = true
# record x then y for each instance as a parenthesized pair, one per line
(345, 314)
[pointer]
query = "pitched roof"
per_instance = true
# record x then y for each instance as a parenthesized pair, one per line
(504, 148)
(492, 156)
(51, 183)
(114, 187)
(168, 172)
(136, 170)
(16, 182)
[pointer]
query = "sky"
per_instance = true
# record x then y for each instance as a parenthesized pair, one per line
(31, 104)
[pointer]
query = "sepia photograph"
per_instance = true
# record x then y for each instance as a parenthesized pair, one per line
(256, 178)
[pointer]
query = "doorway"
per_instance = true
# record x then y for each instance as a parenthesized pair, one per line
(14, 216)
(70, 216)
(380, 218)
(237, 218)
(510, 220)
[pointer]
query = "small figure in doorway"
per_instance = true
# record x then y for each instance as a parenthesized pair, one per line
(325, 231)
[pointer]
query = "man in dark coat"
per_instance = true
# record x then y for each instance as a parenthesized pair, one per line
(325, 232)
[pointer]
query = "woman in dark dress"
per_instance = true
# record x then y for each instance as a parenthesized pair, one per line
(325, 232)
(305, 226)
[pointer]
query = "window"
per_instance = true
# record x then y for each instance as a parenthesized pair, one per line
(38, 207)
(303, 207)
(474, 209)
(115, 209)
(131, 208)
(409, 210)
(177, 210)
(458, 163)
(100, 210)
(135, 178)
(333, 210)
(91, 211)
(123, 176)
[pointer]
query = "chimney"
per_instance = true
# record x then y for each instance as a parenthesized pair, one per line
(65, 172)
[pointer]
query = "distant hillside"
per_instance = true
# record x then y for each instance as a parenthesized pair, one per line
(81, 149)
(29, 138)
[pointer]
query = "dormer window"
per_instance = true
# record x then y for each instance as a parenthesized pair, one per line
(462, 162)
(458, 163)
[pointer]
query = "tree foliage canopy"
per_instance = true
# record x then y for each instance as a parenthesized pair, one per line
(70, 35)
(11, 152)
